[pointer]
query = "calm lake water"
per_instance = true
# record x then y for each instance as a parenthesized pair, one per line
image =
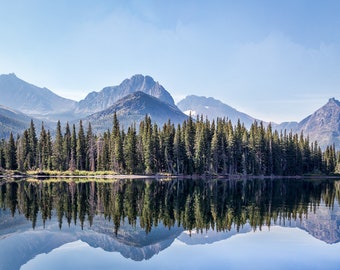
(177, 224)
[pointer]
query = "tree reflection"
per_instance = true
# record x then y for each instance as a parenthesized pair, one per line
(193, 204)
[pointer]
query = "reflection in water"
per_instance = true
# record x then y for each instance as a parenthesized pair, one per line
(191, 204)
(140, 218)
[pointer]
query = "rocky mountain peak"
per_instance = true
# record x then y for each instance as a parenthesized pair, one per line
(324, 124)
(333, 102)
(98, 101)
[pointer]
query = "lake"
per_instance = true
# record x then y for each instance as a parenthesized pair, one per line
(170, 224)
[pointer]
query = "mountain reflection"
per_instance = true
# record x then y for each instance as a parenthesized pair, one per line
(199, 205)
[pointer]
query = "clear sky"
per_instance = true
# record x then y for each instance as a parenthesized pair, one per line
(275, 60)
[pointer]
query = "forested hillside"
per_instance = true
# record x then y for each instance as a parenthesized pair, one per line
(197, 146)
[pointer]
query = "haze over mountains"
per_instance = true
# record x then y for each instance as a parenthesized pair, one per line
(132, 100)
(213, 108)
(32, 100)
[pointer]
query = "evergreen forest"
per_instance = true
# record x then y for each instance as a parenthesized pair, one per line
(195, 147)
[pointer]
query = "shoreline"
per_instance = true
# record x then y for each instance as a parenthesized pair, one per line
(157, 176)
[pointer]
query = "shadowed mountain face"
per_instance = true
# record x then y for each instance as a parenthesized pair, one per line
(133, 108)
(98, 101)
(212, 108)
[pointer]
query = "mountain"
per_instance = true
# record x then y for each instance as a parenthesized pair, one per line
(12, 121)
(323, 125)
(212, 108)
(98, 101)
(32, 100)
(133, 108)
(289, 126)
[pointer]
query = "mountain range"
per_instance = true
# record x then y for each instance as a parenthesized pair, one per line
(132, 100)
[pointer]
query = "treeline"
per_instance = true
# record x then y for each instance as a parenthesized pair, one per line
(196, 147)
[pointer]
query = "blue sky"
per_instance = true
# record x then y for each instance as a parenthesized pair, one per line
(275, 60)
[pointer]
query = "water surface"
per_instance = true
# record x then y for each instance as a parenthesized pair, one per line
(148, 224)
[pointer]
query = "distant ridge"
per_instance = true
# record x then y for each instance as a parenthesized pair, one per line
(32, 100)
(213, 108)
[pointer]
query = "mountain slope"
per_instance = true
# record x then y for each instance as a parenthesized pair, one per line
(98, 101)
(12, 121)
(213, 108)
(323, 125)
(32, 100)
(133, 108)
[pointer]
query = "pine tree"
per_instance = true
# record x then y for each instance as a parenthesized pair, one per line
(23, 152)
(117, 155)
(33, 141)
(81, 147)
(130, 153)
(179, 151)
(167, 147)
(49, 150)
(10, 154)
(58, 155)
(73, 159)
(2, 154)
(41, 149)
(67, 147)
(156, 150)
(91, 150)
(189, 141)
(147, 145)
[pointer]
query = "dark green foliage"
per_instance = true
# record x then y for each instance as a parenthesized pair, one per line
(58, 156)
(10, 154)
(67, 147)
(130, 150)
(195, 147)
(191, 204)
(33, 143)
(91, 150)
(2, 154)
(81, 148)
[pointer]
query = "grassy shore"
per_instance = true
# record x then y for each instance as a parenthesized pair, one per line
(6, 174)
(76, 174)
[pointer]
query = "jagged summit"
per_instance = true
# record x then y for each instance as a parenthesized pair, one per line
(333, 101)
(98, 101)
